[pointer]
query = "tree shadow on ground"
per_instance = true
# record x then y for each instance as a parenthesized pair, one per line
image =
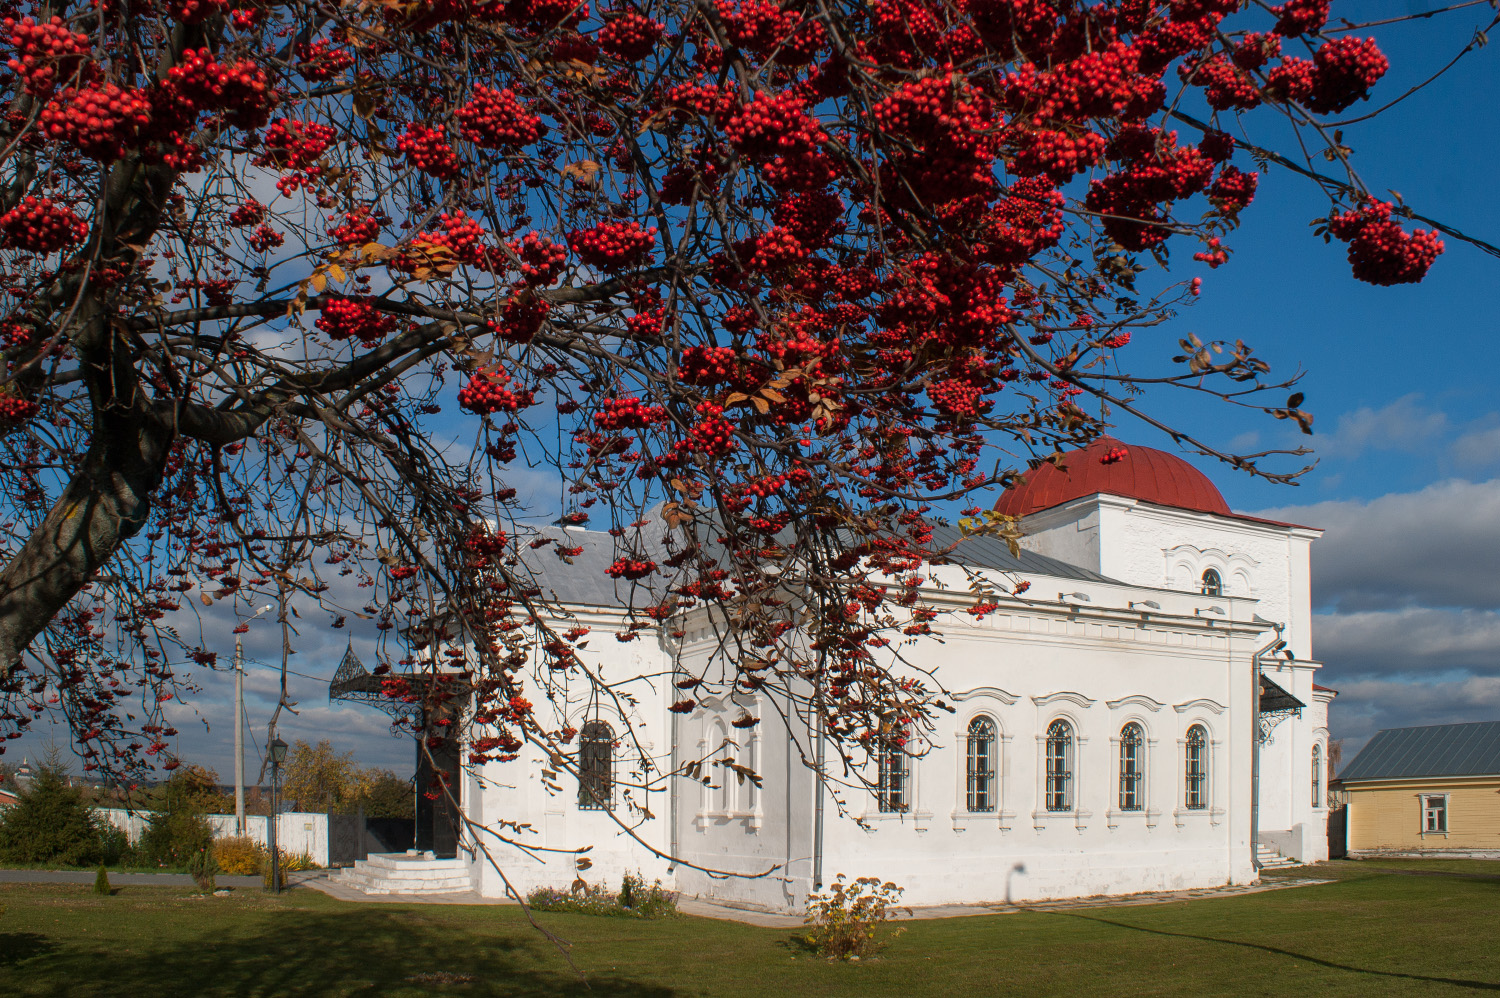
(363, 951)
(18, 946)
(1304, 957)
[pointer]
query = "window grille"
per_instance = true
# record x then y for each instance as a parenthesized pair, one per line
(1060, 766)
(1132, 769)
(891, 793)
(980, 770)
(1197, 768)
(1212, 583)
(1435, 813)
(596, 767)
(1317, 776)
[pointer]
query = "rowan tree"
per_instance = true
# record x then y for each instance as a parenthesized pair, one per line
(292, 291)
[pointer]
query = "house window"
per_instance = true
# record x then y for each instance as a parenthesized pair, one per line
(1435, 813)
(892, 793)
(1196, 797)
(1212, 584)
(1060, 766)
(596, 767)
(979, 769)
(1132, 769)
(1317, 776)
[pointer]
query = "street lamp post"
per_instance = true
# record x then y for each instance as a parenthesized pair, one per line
(277, 749)
(239, 723)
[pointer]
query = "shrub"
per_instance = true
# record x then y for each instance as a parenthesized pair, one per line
(114, 844)
(301, 861)
(635, 900)
(845, 922)
(173, 838)
(202, 867)
(240, 856)
(101, 881)
(50, 822)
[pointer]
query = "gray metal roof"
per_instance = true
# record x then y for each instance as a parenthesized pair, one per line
(1438, 750)
(583, 582)
(979, 551)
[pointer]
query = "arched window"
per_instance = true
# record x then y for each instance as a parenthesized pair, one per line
(1196, 797)
(979, 769)
(1060, 766)
(1132, 768)
(1212, 583)
(728, 778)
(892, 793)
(596, 767)
(1317, 776)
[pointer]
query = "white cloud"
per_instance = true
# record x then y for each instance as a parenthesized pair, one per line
(1478, 448)
(1436, 547)
(1403, 425)
(1412, 641)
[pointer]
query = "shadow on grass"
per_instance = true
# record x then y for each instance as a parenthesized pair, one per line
(1305, 958)
(18, 946)
(364, 952)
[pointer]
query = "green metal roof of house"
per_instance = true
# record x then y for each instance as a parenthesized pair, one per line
(1437, 750)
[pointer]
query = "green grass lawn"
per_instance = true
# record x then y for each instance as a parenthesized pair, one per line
(1378, 930)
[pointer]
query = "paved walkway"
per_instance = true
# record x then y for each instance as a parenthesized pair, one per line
(701, 908)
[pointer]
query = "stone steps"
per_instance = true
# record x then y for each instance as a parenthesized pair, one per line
(407, 873)
(1270, 859)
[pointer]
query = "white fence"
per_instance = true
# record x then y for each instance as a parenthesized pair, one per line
(296, 832)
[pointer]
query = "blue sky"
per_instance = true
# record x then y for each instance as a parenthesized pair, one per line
(1401, 380)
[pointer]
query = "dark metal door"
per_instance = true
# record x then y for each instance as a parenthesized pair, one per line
(345, 839)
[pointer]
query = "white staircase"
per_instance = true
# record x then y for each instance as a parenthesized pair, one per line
(410, 872)
(1270, 859)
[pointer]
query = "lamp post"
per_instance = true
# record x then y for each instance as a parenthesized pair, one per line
(277, 749)
(239, 723)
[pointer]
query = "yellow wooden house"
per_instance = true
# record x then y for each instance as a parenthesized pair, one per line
(1431, 791)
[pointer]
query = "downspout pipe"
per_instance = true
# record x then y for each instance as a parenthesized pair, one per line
(1276, 644)
(818, 790)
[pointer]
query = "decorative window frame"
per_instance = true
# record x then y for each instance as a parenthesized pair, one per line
(961, 817)
(1316, 783)
(1078, 816)
(733, 800)
(615, 725)
(1447, 811)
(1213, 811)
(1148, 814)
(914, 811)
(1186, 563)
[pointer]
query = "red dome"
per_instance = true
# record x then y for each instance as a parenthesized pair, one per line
(1143, 473)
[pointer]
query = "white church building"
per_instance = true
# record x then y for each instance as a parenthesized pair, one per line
(1144, 717)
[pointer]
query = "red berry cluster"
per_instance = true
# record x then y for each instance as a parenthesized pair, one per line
(814, 217)
(1225, 85)
(264, 238)
(357, 228)
(496, 119)
(196, 11)
(774, 125)
(15, 410)
(101, 122)
(249, 212)
(38, 225)
(1114, 455)
(294, 145)
(1058, 155)
(613, 245)
(428, 150)
(628, 413)
(347, 318)
(712, 435)
(487, 392)
(44, 52)
(706, 366)
(1345, 70)
(321, 61)
(520, 318)
(1380, 251)
(1232, 190)
(541, 259)
(630, 568)
(630, 37)
(1215, 256)
(1300, 17)
(773, 251)
(199, 82)
(484, 546)
(754, 26)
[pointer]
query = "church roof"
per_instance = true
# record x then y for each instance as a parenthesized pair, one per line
(1142, 473)
(1435, 750)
